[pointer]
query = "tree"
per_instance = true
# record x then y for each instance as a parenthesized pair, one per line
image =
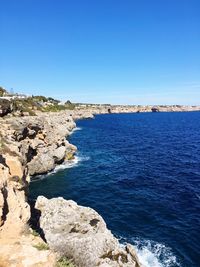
(2, 91)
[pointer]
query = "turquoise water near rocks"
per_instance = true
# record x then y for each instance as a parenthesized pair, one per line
(141, 172)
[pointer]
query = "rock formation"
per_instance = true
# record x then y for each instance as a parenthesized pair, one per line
(40, 141)
(18, 247)
(35, 145)
(80, 233)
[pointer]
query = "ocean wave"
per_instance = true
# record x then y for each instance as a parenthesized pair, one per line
(153, 254)
(75, 130)
(66, 165)
(71, 163)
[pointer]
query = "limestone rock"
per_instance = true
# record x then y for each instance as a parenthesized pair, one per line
(23, 252)
(59, 154)
(15, 166)
(41, 163)
(80, 233)
(1, 208)
(13, 205)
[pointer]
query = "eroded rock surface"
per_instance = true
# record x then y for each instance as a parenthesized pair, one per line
(40, 141)
(80, 233)
(13, 206)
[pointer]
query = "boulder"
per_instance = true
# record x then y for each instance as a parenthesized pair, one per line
(80, 233)
(59, 154)
(42, 163)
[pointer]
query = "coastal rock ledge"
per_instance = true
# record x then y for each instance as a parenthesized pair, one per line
(81, 234)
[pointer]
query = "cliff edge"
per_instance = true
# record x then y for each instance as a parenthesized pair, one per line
(33, 145)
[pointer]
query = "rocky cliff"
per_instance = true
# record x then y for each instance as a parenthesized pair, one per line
(80, 233)
(34, 145)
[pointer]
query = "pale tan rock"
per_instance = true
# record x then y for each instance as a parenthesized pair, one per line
(22, 252)
(41, 136)
(1, 208)
(15, 166)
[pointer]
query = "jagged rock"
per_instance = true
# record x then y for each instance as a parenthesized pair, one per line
(80, 233)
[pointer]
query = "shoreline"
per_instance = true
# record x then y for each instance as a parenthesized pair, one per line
(36, 145)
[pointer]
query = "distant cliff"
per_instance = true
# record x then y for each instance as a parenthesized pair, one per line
(21, 105)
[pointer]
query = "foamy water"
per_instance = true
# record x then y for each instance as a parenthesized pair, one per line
(66, 165)
(152, 254)
(75, 130)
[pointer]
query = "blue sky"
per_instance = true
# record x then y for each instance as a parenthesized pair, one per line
(102, 51)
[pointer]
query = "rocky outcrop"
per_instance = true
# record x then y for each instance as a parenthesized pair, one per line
(18, 247)
(40, 141)
(80, 233)
(30, 146)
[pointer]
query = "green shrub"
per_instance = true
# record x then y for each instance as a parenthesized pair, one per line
(64, 262)
(69, 105)
(24, 105)
(2, 91)
(54, 108)
(39, 98)
(35, 233)
(52, 100)
(41, 246)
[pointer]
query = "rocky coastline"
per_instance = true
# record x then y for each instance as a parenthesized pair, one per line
(33, 145)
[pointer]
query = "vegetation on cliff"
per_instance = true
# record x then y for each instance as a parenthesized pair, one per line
(21, 105)
(64, 262)
(2, 91)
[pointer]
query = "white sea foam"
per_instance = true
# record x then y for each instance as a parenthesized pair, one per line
(198, 196)
(152, 254)
(71, 163)
(66, 165)
(75, 129)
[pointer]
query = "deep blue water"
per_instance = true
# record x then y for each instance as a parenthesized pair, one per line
(141, 172)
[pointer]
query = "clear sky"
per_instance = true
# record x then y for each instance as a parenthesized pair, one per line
(102, 51)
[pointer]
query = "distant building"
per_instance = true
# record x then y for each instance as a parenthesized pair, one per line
(11, 97)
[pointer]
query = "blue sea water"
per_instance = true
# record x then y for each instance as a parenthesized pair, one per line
(141, 172)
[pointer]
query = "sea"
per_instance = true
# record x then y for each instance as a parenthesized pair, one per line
(141, 173)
